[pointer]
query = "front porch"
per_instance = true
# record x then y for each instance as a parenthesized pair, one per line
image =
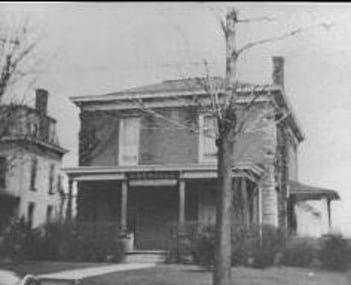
(145, 201)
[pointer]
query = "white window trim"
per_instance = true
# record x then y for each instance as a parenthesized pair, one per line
(202, 158)
(120, 142)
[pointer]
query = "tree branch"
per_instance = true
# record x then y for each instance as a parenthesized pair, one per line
(257, 19)
(281, 37)
(271, 39)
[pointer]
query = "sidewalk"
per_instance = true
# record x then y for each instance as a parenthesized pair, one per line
(76, 275)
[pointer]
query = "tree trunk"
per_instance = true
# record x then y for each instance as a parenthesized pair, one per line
(222, 266)
(225, 144)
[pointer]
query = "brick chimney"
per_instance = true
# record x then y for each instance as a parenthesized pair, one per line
(278, 71)
(41, 101)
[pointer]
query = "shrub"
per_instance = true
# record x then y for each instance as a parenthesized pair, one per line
(256, 245)
(75, 242)
(251, 245)
(203, 247)
(191, 243)
(14, 241)
(299, 254)
(334, 253)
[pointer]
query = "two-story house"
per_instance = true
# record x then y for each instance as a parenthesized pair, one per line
(148, 158)
(30, 163)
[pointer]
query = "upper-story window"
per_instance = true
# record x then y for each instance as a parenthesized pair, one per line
(3, 170)
(207, 139)
(33, 173)
(51, 178)
(129, 130)
(32, 129)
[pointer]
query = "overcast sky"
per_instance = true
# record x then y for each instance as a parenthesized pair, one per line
(105, 47)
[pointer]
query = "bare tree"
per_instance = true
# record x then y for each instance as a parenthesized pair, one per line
(19, 63)
(229, 126)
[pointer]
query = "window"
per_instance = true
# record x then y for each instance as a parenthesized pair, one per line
(30, 214)
(59, 183)
(129, 141)
(51, 178)
(33, 173)
(32, 129)
(207, 139)
(49, 211)
(3, 169)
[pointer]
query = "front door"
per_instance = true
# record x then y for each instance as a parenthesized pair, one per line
(155, 209)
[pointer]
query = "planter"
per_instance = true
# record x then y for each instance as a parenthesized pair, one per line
(128, 242)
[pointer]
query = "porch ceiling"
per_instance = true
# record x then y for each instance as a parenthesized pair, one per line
(303, 192)
(182, 171)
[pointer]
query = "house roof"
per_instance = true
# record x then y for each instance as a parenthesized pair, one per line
(180, 87)
(303, 192)
(183, 85)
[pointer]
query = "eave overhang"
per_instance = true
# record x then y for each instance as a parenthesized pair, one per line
(28, 139)
(176, 171)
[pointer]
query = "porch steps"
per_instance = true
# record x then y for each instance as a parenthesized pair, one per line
(145, 256)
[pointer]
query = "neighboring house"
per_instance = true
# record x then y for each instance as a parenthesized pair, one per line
(30, 163)
(148, 158)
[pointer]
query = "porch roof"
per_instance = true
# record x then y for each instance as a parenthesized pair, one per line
(303, 192)
(182, 171)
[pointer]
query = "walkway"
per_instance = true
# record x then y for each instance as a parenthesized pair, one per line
(76, 275)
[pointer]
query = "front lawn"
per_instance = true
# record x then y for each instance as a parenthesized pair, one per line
(43, 267)
(192, 275)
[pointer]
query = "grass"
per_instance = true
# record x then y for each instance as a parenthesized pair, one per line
(191, 275)
(43, 267)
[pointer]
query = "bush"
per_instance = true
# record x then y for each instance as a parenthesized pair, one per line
(75, 242)
(251, 245)
(203, 247)
(15, 241)
(299, 254)
(334, 253)
(256, 245)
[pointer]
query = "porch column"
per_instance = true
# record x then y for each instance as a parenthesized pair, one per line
(259, 205)
(69, 200)
(124, 197)
(255, 206)
(181, 187)
(245, 205)
(329, 215)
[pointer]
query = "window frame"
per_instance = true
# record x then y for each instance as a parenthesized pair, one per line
(121, 146)
(33, 173)
(49, 213)
(201, 155)
(30, 213)
(3, 172)
(51, 179)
